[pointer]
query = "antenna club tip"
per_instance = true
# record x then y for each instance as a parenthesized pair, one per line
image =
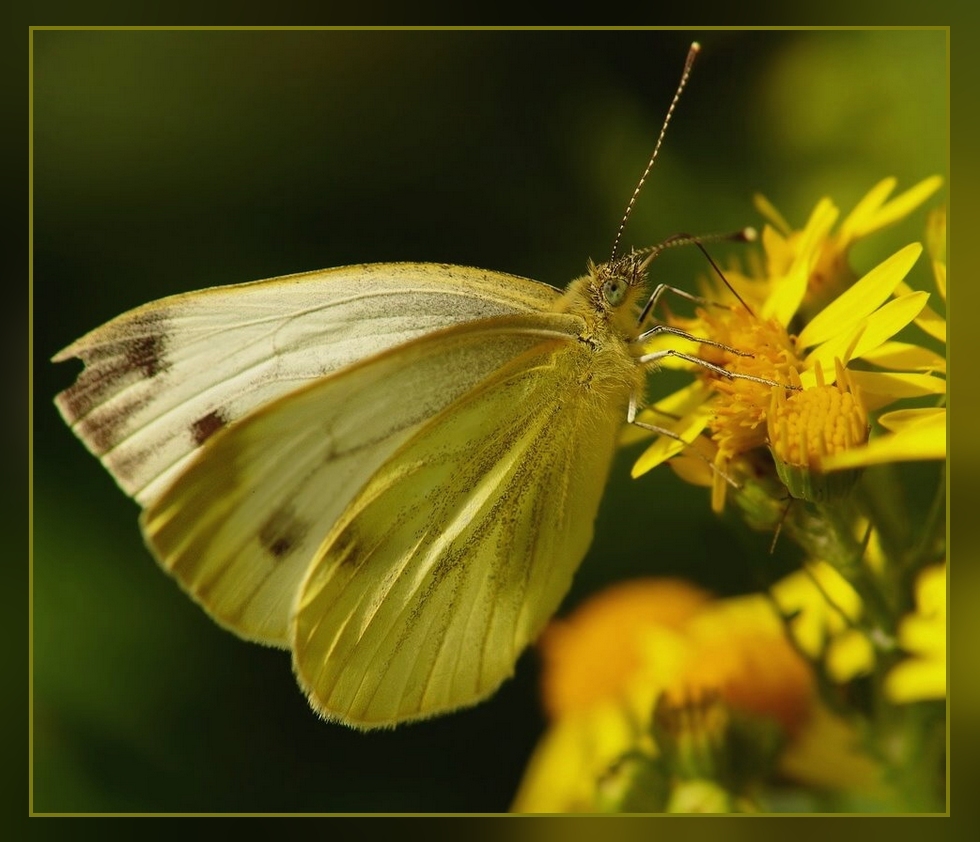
(749, 234)
(695, 46)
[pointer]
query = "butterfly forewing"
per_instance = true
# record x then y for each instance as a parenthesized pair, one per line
(241, 525)
(161, 379)
(454, 555)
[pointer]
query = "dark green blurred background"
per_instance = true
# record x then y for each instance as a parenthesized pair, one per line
(171, 161)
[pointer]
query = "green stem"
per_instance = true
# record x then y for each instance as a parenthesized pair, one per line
(826, 531)
(924, 550)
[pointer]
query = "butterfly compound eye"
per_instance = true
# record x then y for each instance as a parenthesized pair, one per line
(614, 291)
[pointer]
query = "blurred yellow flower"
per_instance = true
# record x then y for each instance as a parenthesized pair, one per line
(824, 610)
(923, 634)
(579, 668)
(829, 754)
(739, 648)
(606, 665)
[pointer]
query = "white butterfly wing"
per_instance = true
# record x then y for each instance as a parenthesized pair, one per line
(161, 379)
(452, 558)
(242, 524)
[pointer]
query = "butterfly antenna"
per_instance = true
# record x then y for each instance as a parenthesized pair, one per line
(743, 235)
(691, 55)
(746, 239)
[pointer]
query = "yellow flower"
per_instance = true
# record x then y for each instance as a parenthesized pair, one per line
(828, 405)
(606, 665)
(806, 427)
(579, 668)
(918, 433)
(923, 634)
(824, 611)
(740, 649)
(700, 796)
(574, 758)
(820, 255)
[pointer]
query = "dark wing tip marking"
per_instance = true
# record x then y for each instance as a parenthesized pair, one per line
(115, 357)
(146, 354)
(146, 350)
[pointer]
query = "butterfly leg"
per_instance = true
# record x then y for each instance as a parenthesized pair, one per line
(683, 334)
(660, 289)
(663, 431)
(660, 431)
(656, 356)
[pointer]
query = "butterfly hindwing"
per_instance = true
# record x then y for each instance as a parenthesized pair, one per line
(454, 555)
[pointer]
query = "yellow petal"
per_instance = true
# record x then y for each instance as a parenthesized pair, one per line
(670, 409)
(849, 655)
(921, 634)
(904, 356)
(844, 313)
(914, 680)
(936, 235)
(779, 252)
(923, 676)
(573, 754)
(899, 419)
(787, 295)
(939, 270)
(875, 218)
(693, 471)
(829, 754)
(823, 601)
(698, 795)
(930, 590)
(876, 386)
(773, 216)
(788, 292)
(688, 429)
(923, 440)
(929, 320)
(868, 334)
(864, 210)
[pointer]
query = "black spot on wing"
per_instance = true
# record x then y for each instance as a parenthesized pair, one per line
(208, 425)
(281, 533)
(346, 547)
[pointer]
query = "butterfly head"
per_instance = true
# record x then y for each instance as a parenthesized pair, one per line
(615, 290)
(608, 297)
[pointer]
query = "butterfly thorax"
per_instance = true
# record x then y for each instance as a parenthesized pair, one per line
(608, 299)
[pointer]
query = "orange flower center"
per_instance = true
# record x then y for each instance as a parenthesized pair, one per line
(739, 421)
(805, 426)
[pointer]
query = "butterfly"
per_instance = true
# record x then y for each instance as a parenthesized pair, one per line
(390, 470)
